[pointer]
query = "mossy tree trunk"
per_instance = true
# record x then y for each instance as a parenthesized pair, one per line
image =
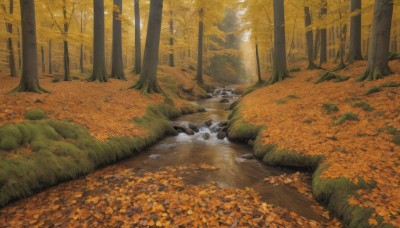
(10, 48)
(279, 71)
(117, 62)
(309, 38)
(355, 32)
(148, 78)
(378, 55)
(199, 76)
(99, 61)
(138, 43)
(29, 79)
(323, 57)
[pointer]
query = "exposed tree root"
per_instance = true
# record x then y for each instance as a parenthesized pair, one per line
(331, 76)
(312, 66)
(147, 87)
(99, 77)
(119, 77)
(278, 76)
(29, 88)
(341, 66)
(372, 75)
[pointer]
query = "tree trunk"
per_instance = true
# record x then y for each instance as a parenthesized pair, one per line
(199, 77)
(138, 45)
(99, 58)
(81, 49)
(317, 44)
(29, 79)
(10, 48)
(279, 71)
(67, 76)
(148, 78)
(322, 57)
(355, 52)
(171, 40)
(310, 39)
(342, 48)
(378, 55)
(117, 62)
(43, 61)
(258, 64)
(19, 50)
(50, 60)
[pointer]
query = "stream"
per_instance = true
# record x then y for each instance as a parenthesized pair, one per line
(233, 171)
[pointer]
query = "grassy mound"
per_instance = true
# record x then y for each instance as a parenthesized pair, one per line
(52, 151)
(36, 114)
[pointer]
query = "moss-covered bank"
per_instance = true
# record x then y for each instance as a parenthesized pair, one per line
(334, 193)
(40, 153)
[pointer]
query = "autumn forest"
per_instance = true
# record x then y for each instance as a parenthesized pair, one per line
(195, 113)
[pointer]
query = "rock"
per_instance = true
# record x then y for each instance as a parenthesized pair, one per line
(221, 135)
(155, 156)
(225, 129)
(224, 93)
(193, 127)
(208, 123)
(185, 130)
(39, 101)
(247, 156)
(206, 136)
(224, 100)
(227, 97)
(215, 129)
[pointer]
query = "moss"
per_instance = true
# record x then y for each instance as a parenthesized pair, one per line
(373, 90)
(293, 96)
(330, 108)
(8, 143)
(363, 105)
(36, 114)
(349, 116)
(295, 69)
(238, 130)
(396, 134)
(281, 101)
(390, 85)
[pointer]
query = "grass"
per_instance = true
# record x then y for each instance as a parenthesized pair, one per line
(36, 114)
(62, 150)
(293, 96)
(330, 108)
(396, 133)
(363, 105)
(349, 116)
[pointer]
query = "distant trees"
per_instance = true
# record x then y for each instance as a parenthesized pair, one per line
(99, 55)
(355, 31)
(147, 82)
(279, 71)
(29, 79)
(117, 62)
(378, 56)
(199, 75)
(309, 38)
(138, 43)
(10, 48)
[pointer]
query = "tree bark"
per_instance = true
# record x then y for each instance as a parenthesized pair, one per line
(67, 75)
(171, 40)
(378, 55)
(323, 57)
(99, 61)
(148, 78)
(117, 62)
(199, 77)
(29, 79)
(10, 48)
(317, 44)
(50, 60)
(355, 52)
(310, 39)
(43, 61)
(81, 49)
(258, 64)
(279, 71)
(138, 45)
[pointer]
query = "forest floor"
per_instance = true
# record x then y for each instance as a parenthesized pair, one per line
(355, 126)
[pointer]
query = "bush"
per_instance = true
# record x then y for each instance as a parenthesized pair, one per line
(330, 108)
(363, 105)
(36, 114)
(347, 117)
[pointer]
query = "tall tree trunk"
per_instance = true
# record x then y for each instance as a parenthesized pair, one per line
(355, 52)
(81, 49)
(50, 60)
(279, 71)
(138, 43)
(342, 48)
(199, 76)
(258, 64)
(43, 61)
(67, 76)
(378, 56)
(148, 78)
(29, 79)
(19, 50)
(171, 40)
(99, 57)
(322, 56)
(317, 43)
(310, 39)
(117, 62)
(10, 48)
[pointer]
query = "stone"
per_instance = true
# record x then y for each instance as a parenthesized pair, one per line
(206, 136)
(224, 100)
(208, 123)
(221, 135)
(193, 127)
(247, 156)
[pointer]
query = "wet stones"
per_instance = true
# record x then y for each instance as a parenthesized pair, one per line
(224, 101)
(183, 129)
(193, 127)
(206, 136)
(221, 135)
(208, 123)
(247, 156)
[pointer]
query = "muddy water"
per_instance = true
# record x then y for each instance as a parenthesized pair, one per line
(233, 171)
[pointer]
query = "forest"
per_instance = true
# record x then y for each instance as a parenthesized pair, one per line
(195, 113)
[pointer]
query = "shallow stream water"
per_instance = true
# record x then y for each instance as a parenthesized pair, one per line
(233, 170)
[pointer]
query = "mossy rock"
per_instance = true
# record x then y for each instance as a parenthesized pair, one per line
(36, 114)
